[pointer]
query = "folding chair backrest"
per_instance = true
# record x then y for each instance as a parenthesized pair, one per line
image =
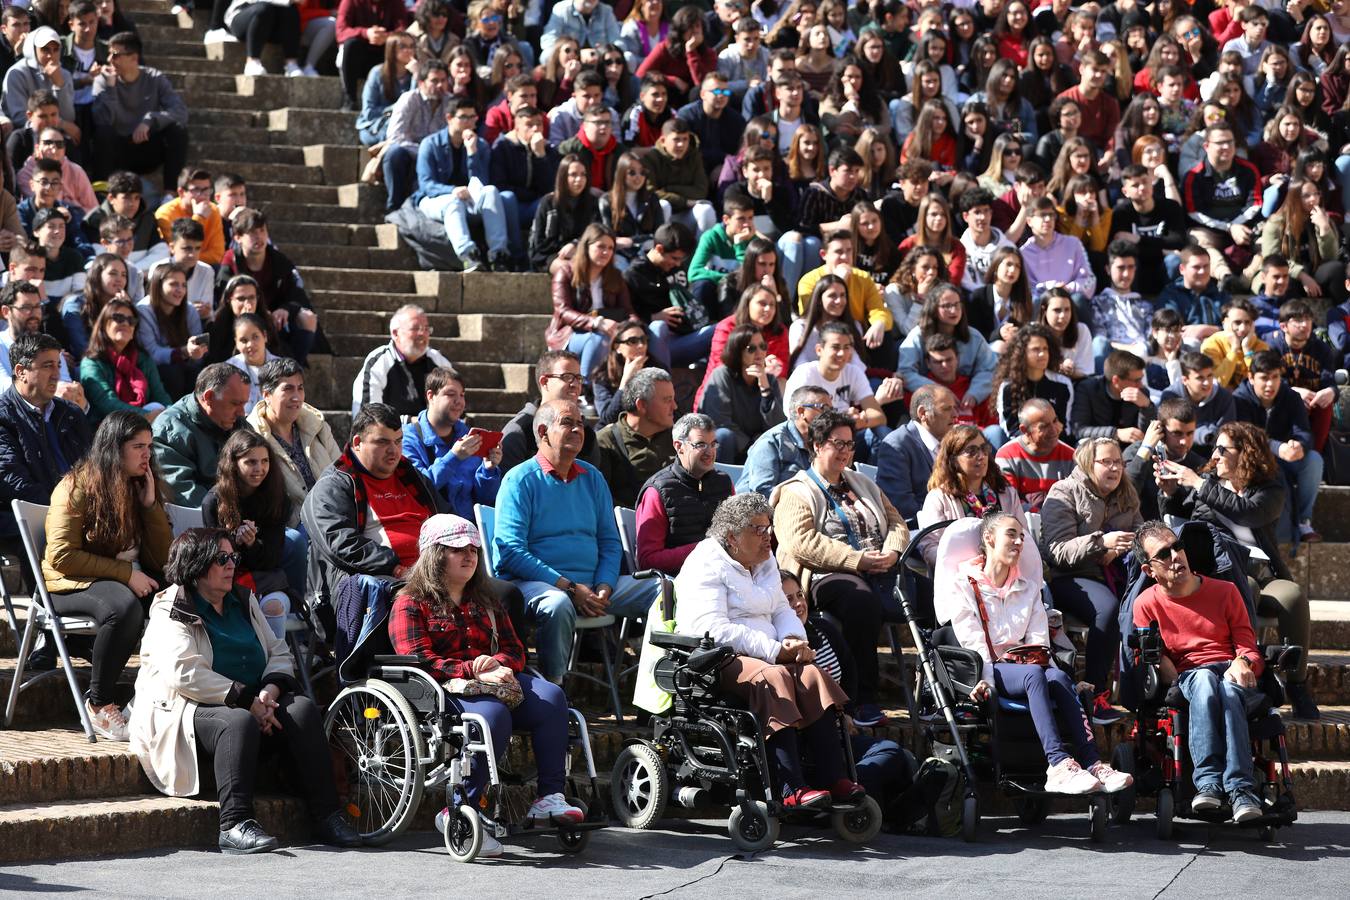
(731, 471)
(32, 522)
(181, 518)
(626, 519)
(485, 517)
(865, 469)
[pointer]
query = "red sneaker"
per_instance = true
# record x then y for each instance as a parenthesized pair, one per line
(806, 798)
(845, 791)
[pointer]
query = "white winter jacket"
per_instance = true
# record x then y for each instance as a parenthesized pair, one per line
(716, 595)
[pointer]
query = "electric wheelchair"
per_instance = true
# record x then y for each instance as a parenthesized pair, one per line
(708, 749)
(394, 735)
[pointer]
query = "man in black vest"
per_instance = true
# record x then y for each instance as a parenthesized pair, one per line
(676, 504)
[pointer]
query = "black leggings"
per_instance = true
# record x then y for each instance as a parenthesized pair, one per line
(119, 617)
(359, 56)
(824, 743)
(234, 740)
(261, 23)
(857, 610)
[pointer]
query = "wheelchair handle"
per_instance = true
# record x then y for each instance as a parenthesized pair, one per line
(645, 574)
(916, 539)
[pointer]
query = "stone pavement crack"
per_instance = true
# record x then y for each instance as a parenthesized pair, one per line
(1173, 879)
(711, 874)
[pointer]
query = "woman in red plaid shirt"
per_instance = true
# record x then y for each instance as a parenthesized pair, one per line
(447, 616)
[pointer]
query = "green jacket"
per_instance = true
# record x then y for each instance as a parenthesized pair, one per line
(96, 377)
(716, 256)
(681, 182)
(187, 446)
(627, 459)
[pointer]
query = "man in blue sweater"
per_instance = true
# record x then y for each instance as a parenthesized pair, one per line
(453, 184)
(557, 539)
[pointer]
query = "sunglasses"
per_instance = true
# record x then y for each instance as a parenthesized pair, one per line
(1166, 553)
(635, 339)
(721, 92)
(121, 319)
(223, 559)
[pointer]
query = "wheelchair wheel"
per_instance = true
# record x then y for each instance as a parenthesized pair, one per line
(1165, 813)
(754, 832)
(464, 834)
(858, 826)
(1031, 810)
(571, 840)
(1098, 817)
(1123, 802)
(1267, 833)
(639, 786)
(373, 735)
(970, 819)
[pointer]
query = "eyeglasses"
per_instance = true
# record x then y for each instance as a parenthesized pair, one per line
(567, 378)
(26, 307)
(755, 348)
(122, 319)
(760, 530)
(52, 142)
(818, 407)
(48, 182)
(975, 450)
(1110, 463)
(227, 559)
(1166, 553)
(635, 339)
(1222, 450)
(702, 446)
(841, 444)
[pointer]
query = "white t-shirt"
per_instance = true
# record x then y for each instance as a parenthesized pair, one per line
(850, 389)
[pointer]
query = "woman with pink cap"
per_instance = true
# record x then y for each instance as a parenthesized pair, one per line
(447, 616)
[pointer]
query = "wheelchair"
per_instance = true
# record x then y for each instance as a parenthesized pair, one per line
(994, 741)
(1156, 751)
(709, 749)
(393, 736)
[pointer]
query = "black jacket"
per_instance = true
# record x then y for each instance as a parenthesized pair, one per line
(689, 502)
(1286, 420)
(1140, 471)
(555, 226)
(514, 168)
(1259, 508)
(1096, 414)
(640, 228)
(28, 468)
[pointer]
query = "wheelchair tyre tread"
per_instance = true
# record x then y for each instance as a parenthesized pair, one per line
(858, 826)
(1031, 809)
(970, 819)
(1123, 802)
(639, 787)
(1165, 814)
(755, 832)
(349, 713)
(1098, 818)
(571, 840)
(464, 834)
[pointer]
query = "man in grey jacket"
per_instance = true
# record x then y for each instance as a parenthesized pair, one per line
(781, 452)
(141, 120)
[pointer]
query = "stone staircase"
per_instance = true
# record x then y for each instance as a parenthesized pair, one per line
(302, 161)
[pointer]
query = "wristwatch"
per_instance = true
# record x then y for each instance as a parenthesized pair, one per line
(569, 587)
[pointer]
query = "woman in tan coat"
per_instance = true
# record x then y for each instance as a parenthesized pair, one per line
(842, 538)
(215, 679)
(106, 531)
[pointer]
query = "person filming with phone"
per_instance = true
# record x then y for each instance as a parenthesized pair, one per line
(462, 463)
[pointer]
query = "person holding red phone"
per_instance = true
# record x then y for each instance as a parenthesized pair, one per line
(463, 464)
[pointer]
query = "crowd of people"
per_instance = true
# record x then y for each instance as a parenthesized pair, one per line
(1066, 269)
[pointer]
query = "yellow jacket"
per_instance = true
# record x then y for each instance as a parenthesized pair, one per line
(1230, 360)
(864, 297)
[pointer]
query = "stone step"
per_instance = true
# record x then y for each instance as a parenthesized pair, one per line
(314, 126)
(304, 210)
(361, 301)
(174, 65)
(229, 124)
(276, 91)
(218, 85)
(235, 150)
(323, 199)
(284, 233)
(60, 764)
(1331, 515)
(374, 281)
(397, 258)
(221, 99)
(183, 47)
(266, 171)
(155, 29)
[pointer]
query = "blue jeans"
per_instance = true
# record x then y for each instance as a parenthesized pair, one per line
(1055, 711)
(400, 171)
(590, 346)
(543, 713)
(484, 205)
(1101, 348)
(294, 559)
(732, 446)
(519, 219)
(796, 254)
(1304, 477)
(1220, 747)
(672, 350)
(554, 617)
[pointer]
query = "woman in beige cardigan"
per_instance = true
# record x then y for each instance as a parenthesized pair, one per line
(106, 533)
(839, 534)
(214, 679)
(301, 440)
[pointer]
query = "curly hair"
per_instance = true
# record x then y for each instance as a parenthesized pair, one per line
(947, 476)
(1012, 366)
(1255, 462)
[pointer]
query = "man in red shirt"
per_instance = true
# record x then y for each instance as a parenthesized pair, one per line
(1212, 655)
(1101, 111)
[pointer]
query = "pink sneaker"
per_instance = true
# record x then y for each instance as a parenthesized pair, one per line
(1069, 778)
(1111, 780)
(108, 722)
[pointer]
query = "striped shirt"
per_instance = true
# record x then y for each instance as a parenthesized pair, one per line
(827, 660)
(1032, 476)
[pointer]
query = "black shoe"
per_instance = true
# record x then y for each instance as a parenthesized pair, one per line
(471, 261)
(1305, 707)
(42, 658)
(247, 837)
(335, 831)
(500, 262)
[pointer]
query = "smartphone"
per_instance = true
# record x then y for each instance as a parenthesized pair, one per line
(490, 440)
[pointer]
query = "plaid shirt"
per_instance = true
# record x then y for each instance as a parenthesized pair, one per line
(450, 641)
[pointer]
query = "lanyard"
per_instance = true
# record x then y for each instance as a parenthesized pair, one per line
(838, 510)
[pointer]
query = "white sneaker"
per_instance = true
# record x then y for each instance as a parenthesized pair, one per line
(554, 807)
(1111, 780)
(1069, 778)
(293, 70)
(178, 9)
(219, 36)
(109, 723)
(310, 72)
(254, 67)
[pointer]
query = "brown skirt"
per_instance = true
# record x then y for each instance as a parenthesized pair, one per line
(782, 696)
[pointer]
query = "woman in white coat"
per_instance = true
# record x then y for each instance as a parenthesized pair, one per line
(730, 589)
(214, 679)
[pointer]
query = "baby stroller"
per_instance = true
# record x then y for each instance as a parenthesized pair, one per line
(394, 735)
(993, 741)
(1156, 753)
(708, 748)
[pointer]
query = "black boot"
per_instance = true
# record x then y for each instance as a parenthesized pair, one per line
(247, 837)
(336, 831)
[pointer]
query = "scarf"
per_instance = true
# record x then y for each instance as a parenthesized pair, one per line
(599, 158)
(986, 501)
(129, 382)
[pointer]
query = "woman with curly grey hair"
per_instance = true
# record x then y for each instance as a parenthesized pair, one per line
(729, 588)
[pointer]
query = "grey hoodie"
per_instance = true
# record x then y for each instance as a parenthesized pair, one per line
(26, 76)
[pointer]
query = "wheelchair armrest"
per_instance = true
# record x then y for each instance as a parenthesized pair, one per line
(669, 639)
(1284, 658)
(396, 660)
(704, 661)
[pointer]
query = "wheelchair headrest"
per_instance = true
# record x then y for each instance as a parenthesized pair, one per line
(1199, 544)
(960, 543)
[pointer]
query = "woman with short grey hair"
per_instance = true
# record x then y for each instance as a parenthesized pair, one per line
(729, 588)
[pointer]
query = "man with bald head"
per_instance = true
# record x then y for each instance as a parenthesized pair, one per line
(395, 373)
(905, 458)
(556, 538)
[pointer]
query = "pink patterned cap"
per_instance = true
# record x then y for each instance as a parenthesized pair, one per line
(448, 531)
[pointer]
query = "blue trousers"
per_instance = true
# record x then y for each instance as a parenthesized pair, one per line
(555, 618)
(543, 713)
(1096, 605)
(670, 349)
(400, 175)
(1054, 707)
(591, 346)
(519, 218)
(1220, 747)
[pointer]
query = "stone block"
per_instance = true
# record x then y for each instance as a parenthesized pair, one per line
(312, 126)
(507, 293)
(340, 164)
(345, 279)
(1328, 564)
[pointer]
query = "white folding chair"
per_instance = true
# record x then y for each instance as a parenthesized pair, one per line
(486, 519)
(731, 471)
(32, 521)
(626, 519)
(865, 469)
(181, 518)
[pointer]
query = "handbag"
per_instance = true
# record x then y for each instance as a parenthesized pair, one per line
(1023, 654)
(508, 693)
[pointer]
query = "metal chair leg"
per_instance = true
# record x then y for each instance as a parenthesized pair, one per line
(25, 647)
(609, 675)
(64, 655)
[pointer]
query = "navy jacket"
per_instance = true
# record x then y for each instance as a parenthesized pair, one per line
(1286, 420)
(1203, 308)
(717, 138)
(903, 467)
(29, 470)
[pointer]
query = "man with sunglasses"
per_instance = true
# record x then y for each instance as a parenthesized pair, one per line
(716, 124)
(558, 375)
(676, 504)
(141, 121)
(1211, 654)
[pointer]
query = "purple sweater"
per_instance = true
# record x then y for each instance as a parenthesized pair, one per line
(1064, 261)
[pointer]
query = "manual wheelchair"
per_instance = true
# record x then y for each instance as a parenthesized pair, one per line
(393, 736)
(709, 749)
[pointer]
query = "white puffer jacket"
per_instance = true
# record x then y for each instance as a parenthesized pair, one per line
(716, 595)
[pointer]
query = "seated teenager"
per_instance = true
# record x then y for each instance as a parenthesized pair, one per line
(108, 278)
(169, 329)
(1029, 367)
(590, 299)
(1114, 404)
(250, 339)
(743, 399)
(440, 446)
(1213, 405)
